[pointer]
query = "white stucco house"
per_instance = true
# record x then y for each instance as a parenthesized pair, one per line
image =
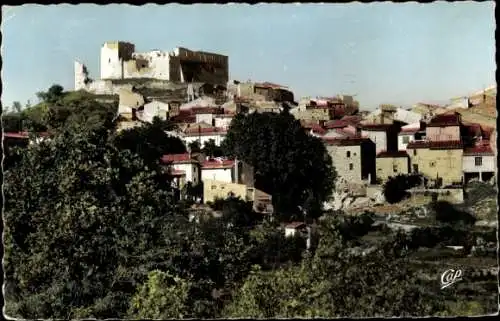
(219, 170)
(184, 166)
(377, 133)
(203, 135)
(155, 109)
(410, 133)
(479, 162)
(294, 228)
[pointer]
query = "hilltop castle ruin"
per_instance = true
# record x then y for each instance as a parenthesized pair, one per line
(120, 65)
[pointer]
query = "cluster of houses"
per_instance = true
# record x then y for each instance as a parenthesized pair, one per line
(220, 177)
(366, 149)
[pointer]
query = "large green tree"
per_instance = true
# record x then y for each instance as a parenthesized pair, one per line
(84, 222)
(291, 165)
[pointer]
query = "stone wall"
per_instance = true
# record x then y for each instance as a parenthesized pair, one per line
(452, 195)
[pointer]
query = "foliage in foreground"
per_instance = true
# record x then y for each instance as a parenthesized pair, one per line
(84, 218)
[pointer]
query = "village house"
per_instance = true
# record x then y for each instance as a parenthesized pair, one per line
(129, 103)
(314, 128)
(444, 127)
(213, 190)
(479, 162)
(23, 139)
(385, 136)
(206, 114)
(353, 158)
(390, 164)
(226, 170)
(203, 134)
(155, 108)
(388, 114)
(223, 120)
(313, 110)
(183, 167)
(343, 125)
(437, 160)
(410, 133)
(295, 228)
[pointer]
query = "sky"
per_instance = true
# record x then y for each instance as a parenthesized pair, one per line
(382, 52)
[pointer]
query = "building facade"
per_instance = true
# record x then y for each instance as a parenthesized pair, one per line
(479, 162)
(353, 158)
(444, 127)
(439, 161)
(185, 166)
(390, 164)
(385, 136)
(203, 135)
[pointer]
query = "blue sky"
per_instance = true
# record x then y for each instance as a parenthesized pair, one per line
(384, 53)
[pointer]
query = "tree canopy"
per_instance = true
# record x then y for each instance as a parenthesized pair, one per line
(289, 164)
(150, 140)
(93, 214)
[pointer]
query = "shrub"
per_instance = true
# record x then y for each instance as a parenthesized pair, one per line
(395, 189)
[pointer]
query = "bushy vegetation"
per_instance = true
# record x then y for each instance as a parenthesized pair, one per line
(396, 188)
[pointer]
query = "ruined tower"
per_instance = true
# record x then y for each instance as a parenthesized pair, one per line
(81, 76)
(113, 56)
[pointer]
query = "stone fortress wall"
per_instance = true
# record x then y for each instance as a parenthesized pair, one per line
(119, 62)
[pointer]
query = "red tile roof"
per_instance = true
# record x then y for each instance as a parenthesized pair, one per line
(355, 119)
(16, 135)
(22, 135)
(207, 110)
(350, 141)
(375, 127)
(445, 120)
(337, 124)
(178, 158)
(452, 144)
(345, 132)
(317, 129)
(396, 154)
(409, 131)
(215, 164)
(295, 225)
(177, 173)
(270, 85)
(479, 150)
(196, 130)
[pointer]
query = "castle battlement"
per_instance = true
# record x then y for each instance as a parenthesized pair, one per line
(120, 61)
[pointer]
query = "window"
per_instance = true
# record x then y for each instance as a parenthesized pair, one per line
(214, 187)
(414, 152)
(432, 164)
(406, 139)
(348, 154)
(415, 168)
(109, 60)
(395, 168)
(478, 161)
(351, 166)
